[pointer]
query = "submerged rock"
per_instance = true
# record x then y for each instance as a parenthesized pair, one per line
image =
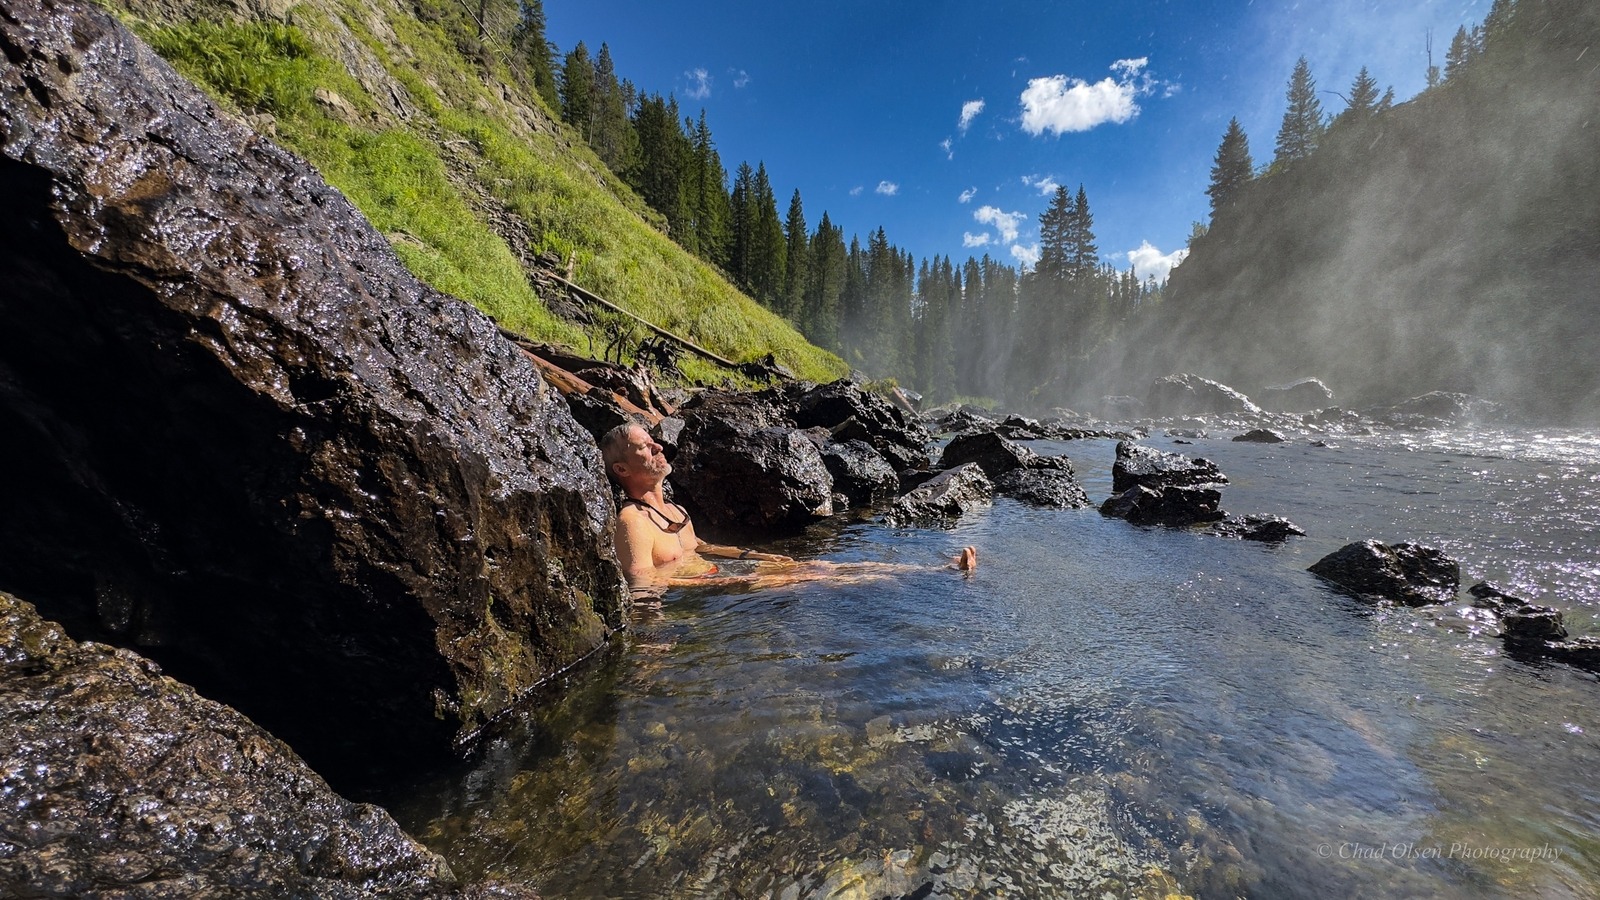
(944, 497)
(120, 781)
(240, 435)
(1405, 573)
(1259, 436)
(1257, 528)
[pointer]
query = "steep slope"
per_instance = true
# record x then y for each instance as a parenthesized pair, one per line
(417, 115)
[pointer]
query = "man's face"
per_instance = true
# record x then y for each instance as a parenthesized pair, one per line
(644, 455)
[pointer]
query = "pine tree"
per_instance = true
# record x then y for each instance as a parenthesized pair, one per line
(824, 285)
(1460, 53)
(1363, 96)
(577, 89)
(1085, 252)
(661, 170)
(767, 246)
(796, 257)
(1055, 228)
(742, 226)
(1302, 121)
(610, 131)
(709, 192)
(1233, 168)
(534, 51)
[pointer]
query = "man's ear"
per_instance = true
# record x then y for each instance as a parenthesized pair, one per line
(614, 472)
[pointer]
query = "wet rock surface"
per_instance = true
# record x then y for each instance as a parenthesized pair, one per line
(1406, 573)
(860, 473)
(1043, 486)
(1172, 505)
(1137, 464)
(1268, 529)
(994, 454)
(241, 436)
(944, 497)
(742, 464)
(118, 781)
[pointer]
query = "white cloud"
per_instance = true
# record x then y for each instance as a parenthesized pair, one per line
(1130, 67)
(1061, 104)
(887, 188)
(945, 146)
(968, 239)
(1026, 257)
(740, 77)
(1148, 260)
(856, 191)
(967, 195)
(1046, 184)
(699, 84)
(969, 111)
(1004, 222)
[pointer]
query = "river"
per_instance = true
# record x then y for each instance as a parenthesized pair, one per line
(1101, 709)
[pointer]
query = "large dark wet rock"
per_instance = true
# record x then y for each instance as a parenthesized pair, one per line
(894, 433)
(239, 435)
(994, 454)
(118, 781)
(1043, 486)
(860, 473)
(742, 465)
(944, 497)
(1406, 573)
(1153, 487)
(1297, 396)
(1191, 395)
(1137, 464)
(1171, 505)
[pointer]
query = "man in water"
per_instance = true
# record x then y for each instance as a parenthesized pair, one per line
(655, 540)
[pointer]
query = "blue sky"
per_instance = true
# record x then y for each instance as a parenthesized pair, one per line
(950, 123)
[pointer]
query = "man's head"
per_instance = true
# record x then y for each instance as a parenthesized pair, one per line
(632, 457)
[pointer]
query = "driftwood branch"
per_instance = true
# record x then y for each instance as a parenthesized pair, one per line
(684, 342)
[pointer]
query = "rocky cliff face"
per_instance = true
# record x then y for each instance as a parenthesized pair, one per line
(238, 435)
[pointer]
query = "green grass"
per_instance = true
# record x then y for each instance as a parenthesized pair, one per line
(396, 174)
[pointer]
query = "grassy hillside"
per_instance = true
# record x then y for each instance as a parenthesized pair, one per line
(424, 125)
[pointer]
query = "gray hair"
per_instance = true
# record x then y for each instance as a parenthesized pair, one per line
(615, 443)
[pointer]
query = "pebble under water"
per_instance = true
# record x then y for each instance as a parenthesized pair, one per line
(1100, 710)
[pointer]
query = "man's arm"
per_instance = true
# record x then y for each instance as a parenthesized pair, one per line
(725, 552)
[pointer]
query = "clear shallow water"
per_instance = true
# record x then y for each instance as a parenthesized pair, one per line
(1100, 709)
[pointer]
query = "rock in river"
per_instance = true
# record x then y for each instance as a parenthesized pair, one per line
(240, 436)
(1405, 573)
(1140, 465)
